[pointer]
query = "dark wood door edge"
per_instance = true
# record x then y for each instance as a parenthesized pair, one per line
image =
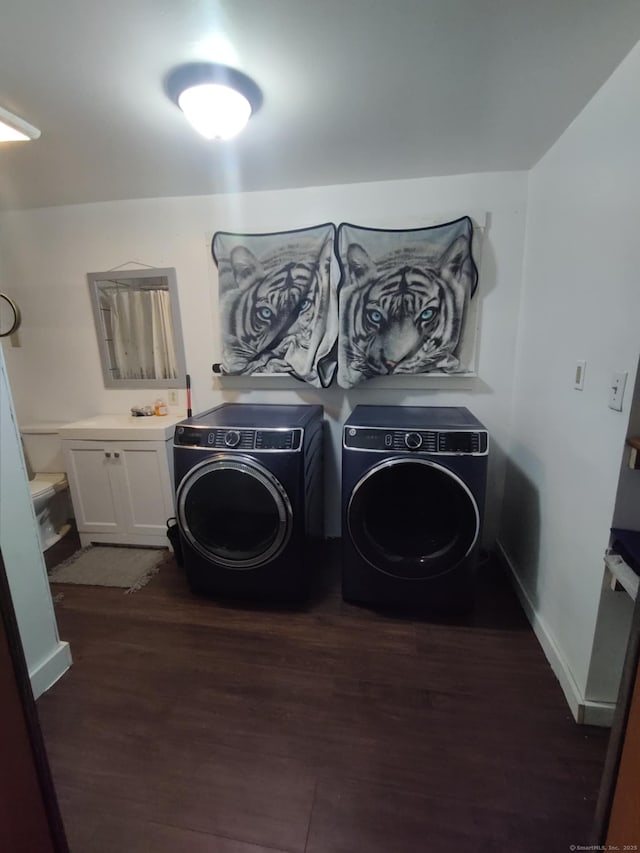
(40, 760)
(618, 729)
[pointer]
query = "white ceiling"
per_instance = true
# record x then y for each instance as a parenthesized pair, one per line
(354, 90)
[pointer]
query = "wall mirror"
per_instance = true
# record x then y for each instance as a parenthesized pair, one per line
(137, 321)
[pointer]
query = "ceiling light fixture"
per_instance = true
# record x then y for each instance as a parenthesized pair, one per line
(216, 100)
(15, 129)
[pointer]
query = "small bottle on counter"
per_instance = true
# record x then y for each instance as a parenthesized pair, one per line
(160, 407)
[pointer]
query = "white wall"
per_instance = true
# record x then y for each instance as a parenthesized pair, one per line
(55, 370)
(47, 658)
(581, 300)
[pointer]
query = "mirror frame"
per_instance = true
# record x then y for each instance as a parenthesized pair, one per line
(94, 279)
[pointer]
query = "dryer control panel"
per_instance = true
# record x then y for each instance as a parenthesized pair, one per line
(446, 442)
(228, 438)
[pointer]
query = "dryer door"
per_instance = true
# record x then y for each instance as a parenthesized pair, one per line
(234, 511)
(412, 518)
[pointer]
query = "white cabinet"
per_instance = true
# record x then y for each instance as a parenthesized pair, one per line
(121, 488)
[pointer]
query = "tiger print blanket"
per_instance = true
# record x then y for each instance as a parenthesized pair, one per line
(404, 299)
(278, 306)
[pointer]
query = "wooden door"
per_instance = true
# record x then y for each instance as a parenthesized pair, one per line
(624, 823)
(29, 815)
(617, 819)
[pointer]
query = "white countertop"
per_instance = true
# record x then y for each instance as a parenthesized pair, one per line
(122, 428)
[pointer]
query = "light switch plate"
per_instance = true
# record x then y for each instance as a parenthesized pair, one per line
(172, 397)
(616, 391)
(578, 380)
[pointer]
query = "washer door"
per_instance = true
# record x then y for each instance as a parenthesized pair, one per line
(412, 519)
(234, 511)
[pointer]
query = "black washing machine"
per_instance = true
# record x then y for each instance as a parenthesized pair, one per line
(413, 491)
(249, 499)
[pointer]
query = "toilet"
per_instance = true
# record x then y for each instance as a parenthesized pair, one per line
(47, 481)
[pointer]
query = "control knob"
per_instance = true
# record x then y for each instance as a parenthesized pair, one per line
(232, 438)
(413, 440)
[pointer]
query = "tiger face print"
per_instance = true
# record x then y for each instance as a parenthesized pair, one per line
(403, 314)
(273, 311)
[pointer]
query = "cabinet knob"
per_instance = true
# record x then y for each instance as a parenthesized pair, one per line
(107, 454)
(117, 454)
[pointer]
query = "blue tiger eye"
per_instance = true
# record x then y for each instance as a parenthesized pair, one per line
(375, 316)
(265, 313)
(427, 314)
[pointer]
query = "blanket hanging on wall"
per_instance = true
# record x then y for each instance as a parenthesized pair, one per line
(278, 303)
(404, 300)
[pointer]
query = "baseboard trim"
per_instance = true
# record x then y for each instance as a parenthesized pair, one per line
(598, 713)
(50, 669)
(583, 710)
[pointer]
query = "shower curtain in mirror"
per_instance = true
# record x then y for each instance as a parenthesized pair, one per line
(142, 333)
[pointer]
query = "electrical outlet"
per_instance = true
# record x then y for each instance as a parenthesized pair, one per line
(173, 397)
(578, 381)
(616, 390)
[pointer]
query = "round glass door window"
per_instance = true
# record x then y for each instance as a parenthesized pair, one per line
(234, 512)
(412, 518)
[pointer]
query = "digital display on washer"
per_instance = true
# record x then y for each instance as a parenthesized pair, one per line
(456, 442)
(461, 442)
(278, 440)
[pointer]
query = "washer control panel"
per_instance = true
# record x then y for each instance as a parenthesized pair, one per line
(450, 442)
(229, 438)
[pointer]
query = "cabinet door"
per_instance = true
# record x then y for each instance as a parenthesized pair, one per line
(146, 486)
(92, 474)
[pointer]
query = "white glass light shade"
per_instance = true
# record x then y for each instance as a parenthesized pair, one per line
(15, 129)
(9, 134)
(216, 111)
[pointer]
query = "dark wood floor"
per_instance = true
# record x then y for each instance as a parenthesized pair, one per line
(189, 726)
